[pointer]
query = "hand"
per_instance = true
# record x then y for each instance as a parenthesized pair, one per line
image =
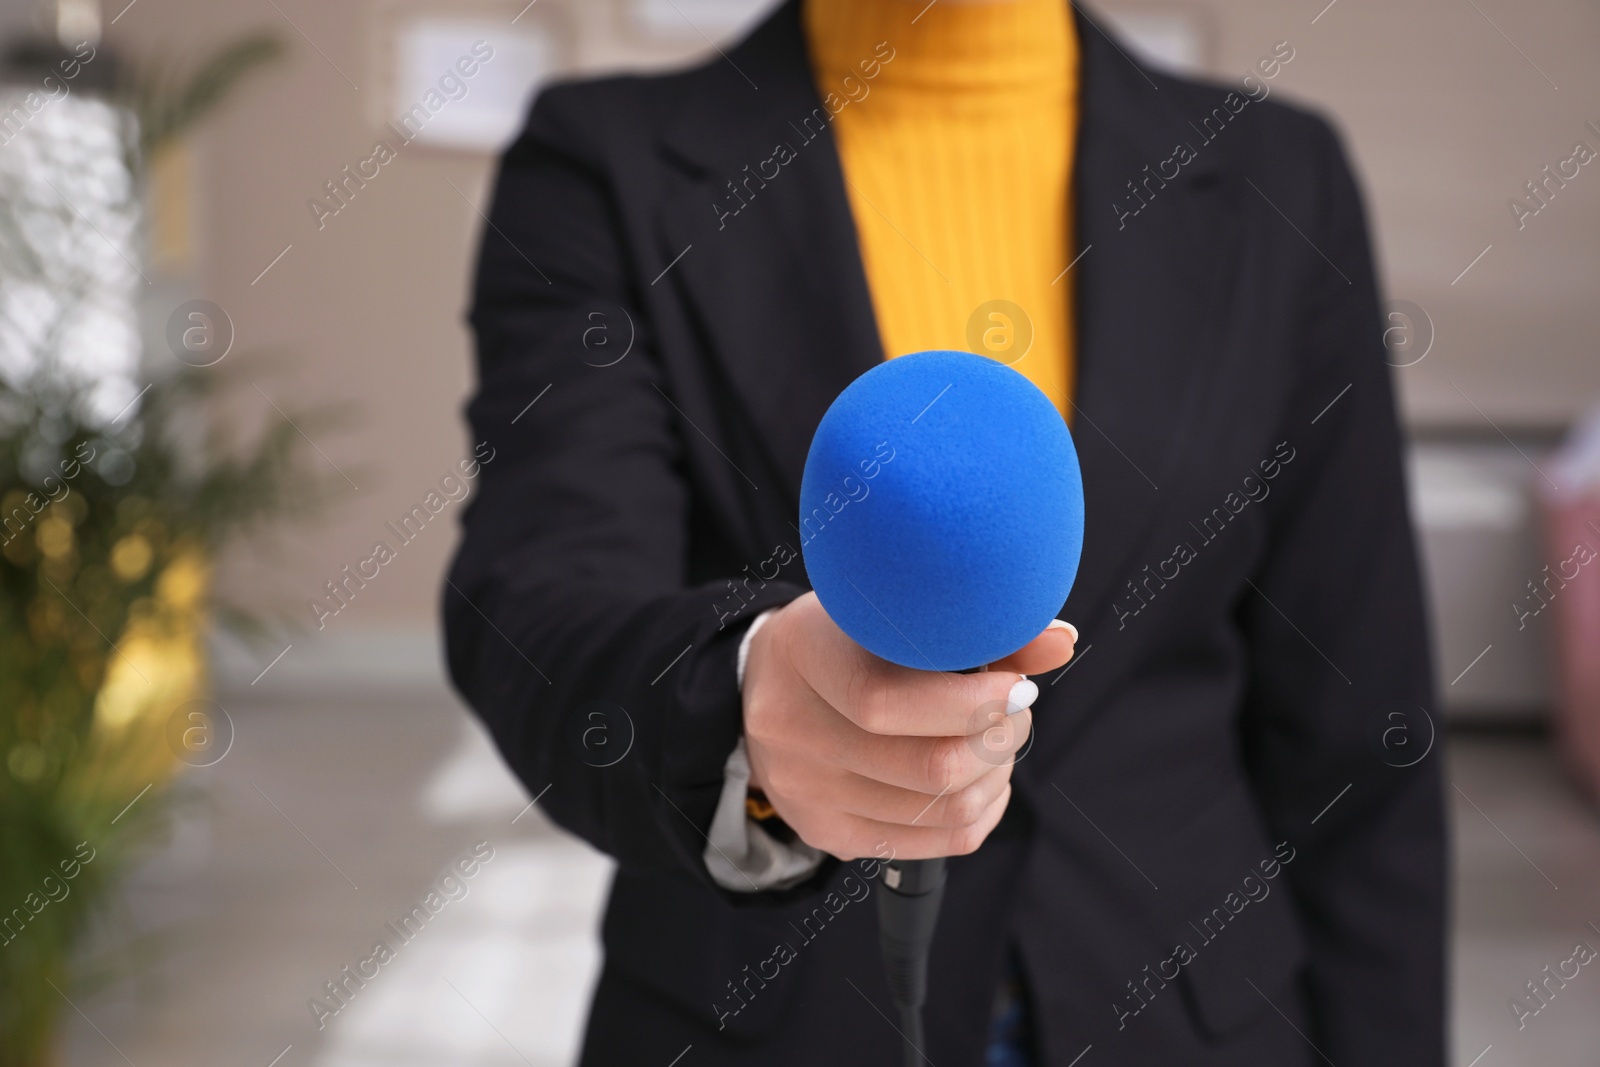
(854, 751)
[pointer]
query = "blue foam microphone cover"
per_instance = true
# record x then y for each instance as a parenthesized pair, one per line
(941, 511)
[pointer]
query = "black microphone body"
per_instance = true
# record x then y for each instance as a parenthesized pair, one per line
(908, 910)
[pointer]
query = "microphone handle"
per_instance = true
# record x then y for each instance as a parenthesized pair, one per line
(908, 910)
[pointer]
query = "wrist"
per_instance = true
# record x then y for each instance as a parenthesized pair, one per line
(757, 650)
(746, 641)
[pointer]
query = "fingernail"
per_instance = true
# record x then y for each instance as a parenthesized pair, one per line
(1057, 624)
(1022, 695)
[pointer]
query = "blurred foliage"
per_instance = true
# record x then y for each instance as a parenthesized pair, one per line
(167, 101)
(107, 535)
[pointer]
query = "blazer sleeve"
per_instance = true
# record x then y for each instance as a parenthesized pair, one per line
(605, 678)
(1340, 724)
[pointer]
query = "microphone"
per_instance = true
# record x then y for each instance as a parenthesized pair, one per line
(941, 523)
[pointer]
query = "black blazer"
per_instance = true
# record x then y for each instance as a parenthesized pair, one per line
(1225, 844)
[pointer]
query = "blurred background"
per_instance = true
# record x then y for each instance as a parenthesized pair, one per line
(283, 241)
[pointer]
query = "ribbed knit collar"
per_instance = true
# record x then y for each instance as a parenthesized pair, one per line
(966, 46)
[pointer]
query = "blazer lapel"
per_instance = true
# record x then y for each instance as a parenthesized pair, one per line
(1152, 289)
(773, 273)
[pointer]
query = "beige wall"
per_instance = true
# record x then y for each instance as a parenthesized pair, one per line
(1445, 119)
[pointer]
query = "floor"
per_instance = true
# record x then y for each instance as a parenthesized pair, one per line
(1527, 891)
(293, 856)
(326, 823)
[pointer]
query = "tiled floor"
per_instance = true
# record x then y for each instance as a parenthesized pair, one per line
(321, 827)
(326, 822)
(1527, 853)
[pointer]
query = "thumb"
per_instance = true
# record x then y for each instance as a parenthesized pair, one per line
(1051, 649)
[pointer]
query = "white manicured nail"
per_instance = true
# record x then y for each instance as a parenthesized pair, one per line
(1057, 624)
(1022, 695)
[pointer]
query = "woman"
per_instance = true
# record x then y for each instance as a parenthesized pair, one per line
(1204, 859)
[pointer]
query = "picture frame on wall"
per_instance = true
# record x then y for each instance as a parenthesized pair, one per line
(458, 78)
(692, 20)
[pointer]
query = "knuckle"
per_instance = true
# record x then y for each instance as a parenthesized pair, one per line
(843, 845)
(819, 834)
(872, 711)
(967, 806)
(758, 718)
(854, 845)
(796, 779)
(768, 732)
(947, 764)
(965, 841)
(872, 698)
(778, 780)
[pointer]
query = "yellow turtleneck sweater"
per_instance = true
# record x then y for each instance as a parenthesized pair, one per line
(957, 152)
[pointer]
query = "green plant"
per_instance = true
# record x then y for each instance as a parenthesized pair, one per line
(108, 528)
(168, 102)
